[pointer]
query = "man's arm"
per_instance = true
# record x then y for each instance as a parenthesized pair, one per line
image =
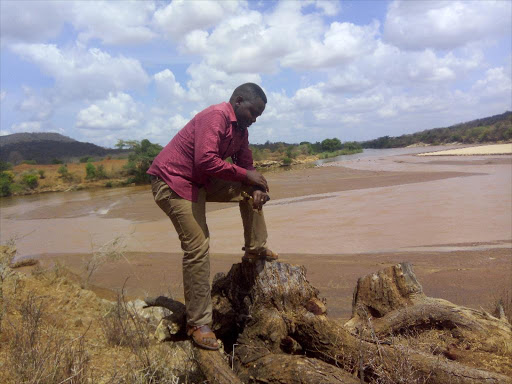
(243, 158)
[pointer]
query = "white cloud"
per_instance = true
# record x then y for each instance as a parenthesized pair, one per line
(126, 22)
(208, 85)
(36, 107)
(3, 95)
(341, 43)
(32, 21)
(26, 126)
(496, 84)
(328, 7)
(445, 24)
(81, 73)
(117, 112)
(181, 17)
(168, 88)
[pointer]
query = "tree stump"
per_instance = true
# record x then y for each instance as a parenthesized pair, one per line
(274, 327)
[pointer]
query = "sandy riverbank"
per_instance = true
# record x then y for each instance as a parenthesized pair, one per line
(494, 149)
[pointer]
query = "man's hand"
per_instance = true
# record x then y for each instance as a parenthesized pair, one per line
(259, 198)
(256, 178)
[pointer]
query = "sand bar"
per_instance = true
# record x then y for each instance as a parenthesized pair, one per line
(494, 149)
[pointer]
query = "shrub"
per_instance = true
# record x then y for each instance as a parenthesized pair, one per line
(290, 152)
(287, 161)
(85, 159)
(41, 173)
(57, 161)
(6, 180)
(100, 172)
(330, 145)
(65, 174)
(5, 166)
(30, 180)
(108, 184)
(140, 160)
(90, 171)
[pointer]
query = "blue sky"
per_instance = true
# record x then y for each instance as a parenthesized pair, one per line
(356, 70)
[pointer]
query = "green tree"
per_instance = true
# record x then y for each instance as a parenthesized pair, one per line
(140, 160)
(330, 145)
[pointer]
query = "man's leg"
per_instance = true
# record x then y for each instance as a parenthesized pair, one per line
(255, 229)
(189, 220)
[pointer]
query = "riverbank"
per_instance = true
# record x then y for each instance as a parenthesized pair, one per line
(47, 178)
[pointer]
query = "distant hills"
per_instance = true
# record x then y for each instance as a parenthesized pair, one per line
(489, 129)
(45, 147)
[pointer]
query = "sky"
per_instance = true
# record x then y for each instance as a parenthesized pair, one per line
(100, 71)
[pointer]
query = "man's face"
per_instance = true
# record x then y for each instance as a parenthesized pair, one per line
(247, 112)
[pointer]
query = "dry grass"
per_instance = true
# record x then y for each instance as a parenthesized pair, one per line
(501, 305)
(38, 352)
(53, 181)
(56, 332)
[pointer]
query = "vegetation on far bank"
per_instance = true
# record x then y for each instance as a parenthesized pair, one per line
(493, 129)
(29, 177)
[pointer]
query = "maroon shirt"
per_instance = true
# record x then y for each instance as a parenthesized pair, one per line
(198, 151)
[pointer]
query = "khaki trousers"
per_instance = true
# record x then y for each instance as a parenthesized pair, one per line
(189, 220)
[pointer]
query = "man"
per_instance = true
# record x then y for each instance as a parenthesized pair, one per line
(191, 170)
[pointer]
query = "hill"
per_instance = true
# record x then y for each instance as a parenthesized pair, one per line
(487, 130)
(44, 147)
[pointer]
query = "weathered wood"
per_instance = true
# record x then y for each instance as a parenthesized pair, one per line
(215, 368)
(272, 300)
(289, 369)
(396, 304)
(328, 341)
(274, 325)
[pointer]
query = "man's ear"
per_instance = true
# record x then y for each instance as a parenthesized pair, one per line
(239, 100)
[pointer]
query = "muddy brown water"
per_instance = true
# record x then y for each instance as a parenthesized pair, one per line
(451, 217)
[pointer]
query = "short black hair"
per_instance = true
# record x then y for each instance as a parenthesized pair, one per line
(250, 92)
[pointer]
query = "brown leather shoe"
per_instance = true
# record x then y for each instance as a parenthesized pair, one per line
(266, 254)
(203, 337)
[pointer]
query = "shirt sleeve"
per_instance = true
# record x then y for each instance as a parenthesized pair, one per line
(243, 158)
(209, 130)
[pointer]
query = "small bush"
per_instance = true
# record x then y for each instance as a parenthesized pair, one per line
(85, 159)
(5, 166)
(57, 161)
(108, 184)
(30, 180)
(100, 172)
(41, 174)
(90, 171)
(287, 161)
(65, 174)
(6, 183)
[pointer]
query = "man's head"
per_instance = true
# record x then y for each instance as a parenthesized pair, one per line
(248, 101)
